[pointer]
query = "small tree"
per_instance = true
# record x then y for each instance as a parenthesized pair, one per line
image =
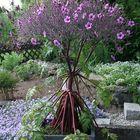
(72, 26)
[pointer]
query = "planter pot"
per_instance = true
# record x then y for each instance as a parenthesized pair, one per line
(61, 137)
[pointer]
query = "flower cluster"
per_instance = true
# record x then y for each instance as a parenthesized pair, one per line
(89, 21)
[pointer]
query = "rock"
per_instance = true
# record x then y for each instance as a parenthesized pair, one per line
(120, 95)
(102, 121)
(132, 111)
(95, 78)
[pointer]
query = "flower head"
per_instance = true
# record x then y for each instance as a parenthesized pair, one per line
(128, 32)
(119, 49)
(64, 10)
(131, 23)
(106, 6)
(33, 41)
(113, 57)
(111, 9)
(100, 15)
(67, 19)
(120, 35)
(44, 33)
(56, 43)
(88, 25)
(91, 17)
(120, 20)
(84, 15)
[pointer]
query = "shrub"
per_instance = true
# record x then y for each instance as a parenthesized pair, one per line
(7, 83)
(11, 60)
(26, 70)
(118, 74)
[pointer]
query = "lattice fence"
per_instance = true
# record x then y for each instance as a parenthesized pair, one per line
(28, 51)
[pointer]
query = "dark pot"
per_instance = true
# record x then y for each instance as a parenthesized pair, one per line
(61, 137)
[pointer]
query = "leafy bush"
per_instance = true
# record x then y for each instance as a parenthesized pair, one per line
(118, 74)
(26, 70)
(7, 82)
(11, 60)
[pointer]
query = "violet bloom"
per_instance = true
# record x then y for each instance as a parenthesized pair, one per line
(106, 6)
(91, 17)
(44, 33)
(64, 10)
(128, 32)
(56, 43)
(75, 16)
(120, 20)
(119, 49)
(29, 20)
(33, 41)
(120, 35)
(88, 25)
(79, 9)
(84, 15)
(67, 19)
(39, 12)
(131, 23)
(111, 10)
(100, 15)
(113, 57)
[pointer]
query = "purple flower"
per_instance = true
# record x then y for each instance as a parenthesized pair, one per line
(67, 19)
(111, 9)
(29, 20)
(106, 6)
(120, 35)
(79, 9)
(39, 12)
(113, 57)
(75, 16)
(88, 25)
(56, 43)
(33, 41)
(131, 23)
(128, 32)
(84, 15)
(120, 20)
(44, 33)
(64, 10)
(119, 49)
(91, 17)
(100, 15)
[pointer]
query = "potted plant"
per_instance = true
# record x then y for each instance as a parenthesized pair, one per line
(74, 28)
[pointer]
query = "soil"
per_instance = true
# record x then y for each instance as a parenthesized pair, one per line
(23, 86)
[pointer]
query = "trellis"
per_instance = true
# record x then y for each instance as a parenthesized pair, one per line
(29, 51)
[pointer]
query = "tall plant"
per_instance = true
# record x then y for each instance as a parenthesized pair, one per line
(72, 26)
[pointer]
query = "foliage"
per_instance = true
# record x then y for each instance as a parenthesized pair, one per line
(7, 83)
(86, 120)
(76, 136)
(7, 80)
(108, 135)
(32, 122)
(26, 70)
(11, 60)
(118, 74)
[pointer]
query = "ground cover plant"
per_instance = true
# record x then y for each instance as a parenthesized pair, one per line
(71, 27)
(126, 74)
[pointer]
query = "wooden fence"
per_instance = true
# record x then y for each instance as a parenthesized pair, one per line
(29, 51)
